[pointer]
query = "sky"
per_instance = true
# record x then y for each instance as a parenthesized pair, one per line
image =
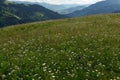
(64, 1)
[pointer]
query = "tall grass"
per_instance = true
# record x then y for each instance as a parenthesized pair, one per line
(86, 48)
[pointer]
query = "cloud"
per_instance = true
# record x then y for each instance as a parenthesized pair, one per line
(64, 1)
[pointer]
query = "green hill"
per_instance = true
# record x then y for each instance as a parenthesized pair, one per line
(86, 48)
(13, 13)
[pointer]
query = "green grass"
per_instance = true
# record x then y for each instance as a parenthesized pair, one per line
(86, 48)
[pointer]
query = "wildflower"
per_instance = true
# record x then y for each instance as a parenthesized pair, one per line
(39, 78)
(3, 76)
(118, 78)
(44, 64)
(53, 76)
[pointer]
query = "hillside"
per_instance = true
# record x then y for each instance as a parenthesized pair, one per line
(13, 13)
(86, 48)
(59, 8)
(105, 6)
(64, 8)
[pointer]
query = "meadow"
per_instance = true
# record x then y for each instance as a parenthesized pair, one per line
(85, 48)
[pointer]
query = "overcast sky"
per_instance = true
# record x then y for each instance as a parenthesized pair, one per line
(64, 1)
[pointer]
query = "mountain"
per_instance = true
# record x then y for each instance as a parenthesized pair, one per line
(60, 8)
(107, 6)
(72, 9)
(117, 11)
(86, 48)
(12, 13)
(56, 8)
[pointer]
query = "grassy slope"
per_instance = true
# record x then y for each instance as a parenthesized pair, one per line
(86, 48)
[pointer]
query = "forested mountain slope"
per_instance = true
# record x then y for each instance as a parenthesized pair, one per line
(12, 13)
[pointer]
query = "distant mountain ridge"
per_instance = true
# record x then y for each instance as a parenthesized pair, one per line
(72, 9)
(54, 7)
(107, 6)
(12, 13)
(59, 8)
(64, 8)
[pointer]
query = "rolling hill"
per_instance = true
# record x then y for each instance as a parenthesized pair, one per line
(86, 48)
(106, 6)
(12, 13)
